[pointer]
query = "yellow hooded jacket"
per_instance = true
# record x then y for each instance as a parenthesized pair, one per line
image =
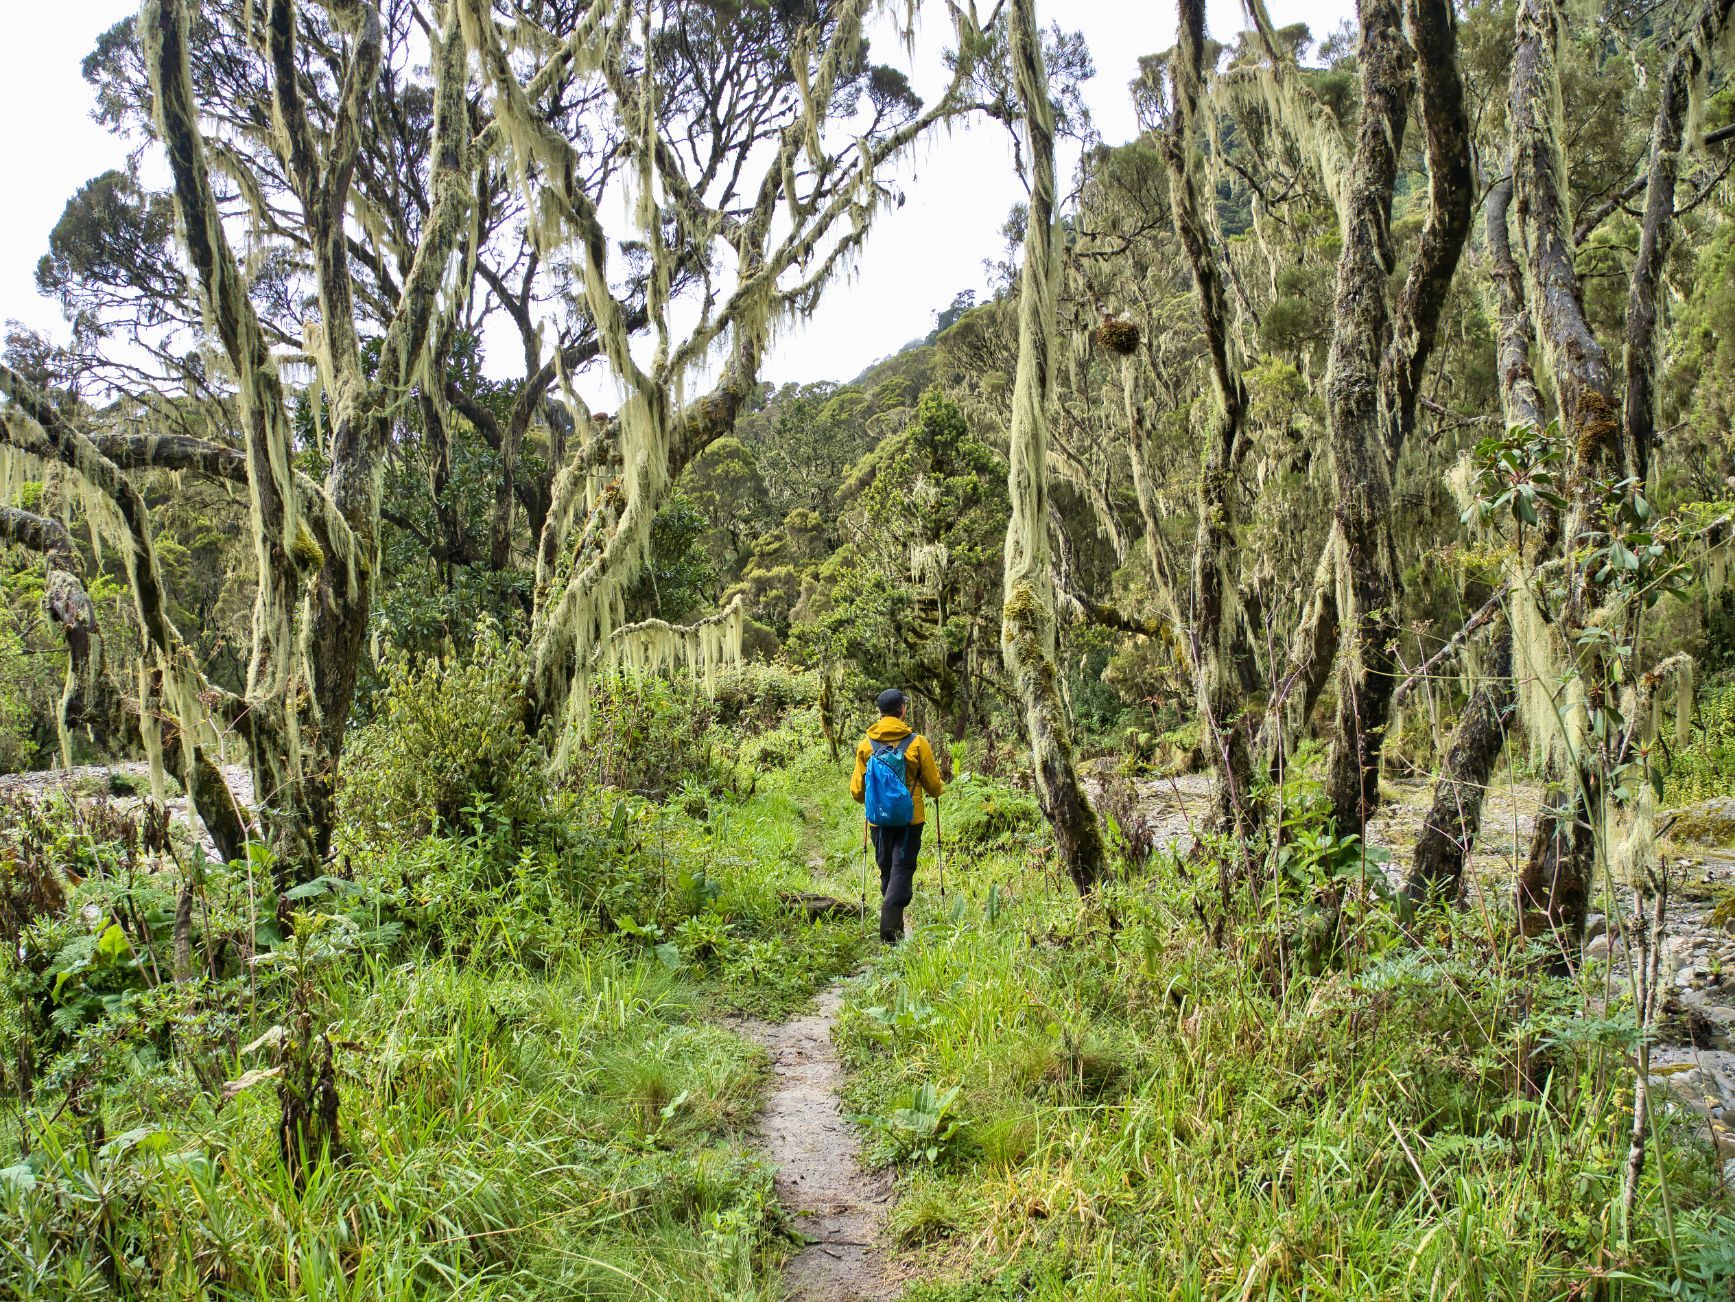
(919, 766)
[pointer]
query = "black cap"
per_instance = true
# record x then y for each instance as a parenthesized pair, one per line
(890, 701)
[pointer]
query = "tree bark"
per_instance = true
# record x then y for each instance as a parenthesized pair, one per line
(1657, 233)
(1449, 831)
(1359, 420)
(1454, 819)
(1028, 637)
(1422, 301)
(1554, 882)
(1214, 617)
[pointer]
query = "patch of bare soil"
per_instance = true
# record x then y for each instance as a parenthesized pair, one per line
(836, 1204)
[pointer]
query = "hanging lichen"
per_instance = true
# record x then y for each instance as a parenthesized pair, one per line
(1028, 632)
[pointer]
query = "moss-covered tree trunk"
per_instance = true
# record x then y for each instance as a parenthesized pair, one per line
(1603, 443)
(1455, 816)
(1028, 633)
(92, 700)
(1358, 417)
(1554, 881)
(1656, 234)
(1214, 617)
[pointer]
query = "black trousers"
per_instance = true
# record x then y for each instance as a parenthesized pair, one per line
(895, 850)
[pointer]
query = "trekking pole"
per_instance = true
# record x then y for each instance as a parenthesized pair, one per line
(940, 842)
(865, 838)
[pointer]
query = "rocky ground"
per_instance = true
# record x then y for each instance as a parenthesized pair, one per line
(126, 786)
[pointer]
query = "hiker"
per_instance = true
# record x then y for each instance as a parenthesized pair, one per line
(893, 767)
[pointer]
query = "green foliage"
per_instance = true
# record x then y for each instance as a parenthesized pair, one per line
(1145, 1112)
(987, 817)
(680, 577)
(646, 735)
(1705, 767)
(919, 1124)
(448, 737)
(724, 489)
(32, 664)
(914, 595)
(500, 997)
(1518, 473)
(461, 1088)
(1170, 751)
(1326, 888)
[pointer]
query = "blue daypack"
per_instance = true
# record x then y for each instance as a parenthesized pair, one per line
(886, 790)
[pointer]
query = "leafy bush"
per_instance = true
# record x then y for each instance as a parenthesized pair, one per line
(757, 697)
(487, 893)
(922, 1122)
(1178, 750)
(448, 735)
(644, 735)
(649, 735)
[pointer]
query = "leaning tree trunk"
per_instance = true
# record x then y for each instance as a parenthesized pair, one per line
(1359, 420)
(1027, 638)
(1455, 816)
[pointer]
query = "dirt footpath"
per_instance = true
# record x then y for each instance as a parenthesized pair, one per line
(820, 1179)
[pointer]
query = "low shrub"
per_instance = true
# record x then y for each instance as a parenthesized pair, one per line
(983, 817)
(447, 738)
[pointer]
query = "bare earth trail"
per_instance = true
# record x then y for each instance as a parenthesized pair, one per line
(835, 1203)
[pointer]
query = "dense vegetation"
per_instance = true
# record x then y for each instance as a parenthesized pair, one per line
(1353, 440)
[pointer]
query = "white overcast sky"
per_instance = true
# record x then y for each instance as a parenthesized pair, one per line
(959, 187)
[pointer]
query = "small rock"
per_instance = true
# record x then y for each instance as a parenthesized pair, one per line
(1597, 949)
(1718, 1024)
(1595, 925)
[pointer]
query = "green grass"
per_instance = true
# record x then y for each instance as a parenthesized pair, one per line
(1704, 766)
(574, 1136)
(534, 1103)
(540, 1099)
(1142, 1115)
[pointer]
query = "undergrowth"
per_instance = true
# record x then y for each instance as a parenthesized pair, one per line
(1704, 767)
(510, 994)
(510, 989)
(1121, 1099)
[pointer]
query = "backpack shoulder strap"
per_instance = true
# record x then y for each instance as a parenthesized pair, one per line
(904, 744)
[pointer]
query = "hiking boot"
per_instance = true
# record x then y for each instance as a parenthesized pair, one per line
(891, 923)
